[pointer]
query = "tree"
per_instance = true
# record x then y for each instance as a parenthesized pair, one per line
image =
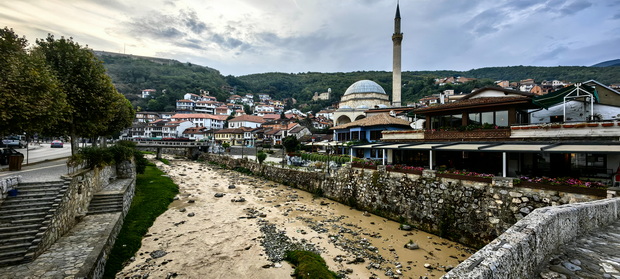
(31, 100)
(290, 143)
(90, 92)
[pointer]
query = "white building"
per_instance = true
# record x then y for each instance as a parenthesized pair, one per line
(249, 121)
(210, 121)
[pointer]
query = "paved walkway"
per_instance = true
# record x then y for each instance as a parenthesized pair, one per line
(594, 255)
(67, 256)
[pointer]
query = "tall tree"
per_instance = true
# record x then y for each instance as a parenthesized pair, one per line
(90, 92)
(31, 100)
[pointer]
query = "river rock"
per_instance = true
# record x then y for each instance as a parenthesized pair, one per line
(219, 195)
(158, 254)
(412, 246)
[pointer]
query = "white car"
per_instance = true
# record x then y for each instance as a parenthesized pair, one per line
(14, 141)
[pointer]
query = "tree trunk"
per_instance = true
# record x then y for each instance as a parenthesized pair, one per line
(74, 144)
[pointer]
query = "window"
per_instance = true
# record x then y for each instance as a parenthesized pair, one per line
(375, 135)
(501, 118)
(376, 153)
(474, 119)
(487, 118)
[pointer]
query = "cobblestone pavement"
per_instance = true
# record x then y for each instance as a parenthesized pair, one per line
(65, 257)
(594, 255)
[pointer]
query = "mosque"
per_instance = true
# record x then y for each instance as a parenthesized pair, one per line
(366, 94)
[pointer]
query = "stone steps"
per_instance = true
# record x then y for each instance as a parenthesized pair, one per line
(106, 203)
(24, 218)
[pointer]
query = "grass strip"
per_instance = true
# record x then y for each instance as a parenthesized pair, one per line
(154, 192)
(309, 265)
(165, 161)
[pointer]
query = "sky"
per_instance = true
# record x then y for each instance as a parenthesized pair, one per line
(239, 37)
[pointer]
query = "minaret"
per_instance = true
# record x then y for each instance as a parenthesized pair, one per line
(397, 38)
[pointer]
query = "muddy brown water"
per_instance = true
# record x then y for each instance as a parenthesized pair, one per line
(216, 241)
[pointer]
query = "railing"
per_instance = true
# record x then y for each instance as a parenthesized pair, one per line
(172, 143)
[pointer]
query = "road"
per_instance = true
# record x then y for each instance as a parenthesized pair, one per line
(43, 152)
(42, 163)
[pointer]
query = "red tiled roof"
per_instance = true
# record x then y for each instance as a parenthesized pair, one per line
(248, 118)
(195, 115)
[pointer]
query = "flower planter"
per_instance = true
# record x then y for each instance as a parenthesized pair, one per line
(581, 125)
(465, 177)
(568, 125)
(515, 128)
(607, 124)
(564, 188)
(404, 171)
(592, 124)
(555, 126)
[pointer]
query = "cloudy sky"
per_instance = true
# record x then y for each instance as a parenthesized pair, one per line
(241, 37)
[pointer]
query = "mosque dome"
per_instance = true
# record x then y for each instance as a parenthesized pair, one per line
(364, 86)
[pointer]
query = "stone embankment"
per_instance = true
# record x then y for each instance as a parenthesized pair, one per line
(467, 211)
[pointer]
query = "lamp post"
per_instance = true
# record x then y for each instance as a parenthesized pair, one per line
(328, 159)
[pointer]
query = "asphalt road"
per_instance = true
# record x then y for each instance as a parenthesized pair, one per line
(41, 163)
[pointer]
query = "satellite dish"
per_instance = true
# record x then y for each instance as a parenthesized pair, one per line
(392, 113)
(412, 124)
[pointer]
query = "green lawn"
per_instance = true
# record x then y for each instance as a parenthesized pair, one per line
(154, 193)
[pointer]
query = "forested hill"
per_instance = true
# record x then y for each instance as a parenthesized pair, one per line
(131, 74)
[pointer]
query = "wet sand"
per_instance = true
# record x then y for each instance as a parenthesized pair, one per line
(203, 236)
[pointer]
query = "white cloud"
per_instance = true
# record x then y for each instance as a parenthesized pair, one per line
(247, 36)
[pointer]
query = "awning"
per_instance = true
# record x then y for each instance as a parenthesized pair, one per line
(512, 147)
(584, 148)
(324, 143)
(395, 146)
(462, 147)
(515, 147)
(370, 145)
(423, 146)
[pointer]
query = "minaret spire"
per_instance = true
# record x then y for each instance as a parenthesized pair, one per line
(397, 39)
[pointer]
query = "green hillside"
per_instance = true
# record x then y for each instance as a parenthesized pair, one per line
(131, 74)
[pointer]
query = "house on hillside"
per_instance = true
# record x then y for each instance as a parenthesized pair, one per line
(249, 121)
(185, 105)
(148, 93)
(174, 129)
(210, 121)
(198, 133)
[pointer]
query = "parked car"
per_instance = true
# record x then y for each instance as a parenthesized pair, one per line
(56, 143)
(14, 141)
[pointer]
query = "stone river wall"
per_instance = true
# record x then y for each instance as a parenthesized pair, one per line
(458, 208)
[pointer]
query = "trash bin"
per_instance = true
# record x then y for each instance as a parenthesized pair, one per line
(15, 161)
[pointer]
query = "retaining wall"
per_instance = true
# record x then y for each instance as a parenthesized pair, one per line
(469, 212)
(520, 251)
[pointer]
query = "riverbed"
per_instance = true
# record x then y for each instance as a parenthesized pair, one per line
(225, 224)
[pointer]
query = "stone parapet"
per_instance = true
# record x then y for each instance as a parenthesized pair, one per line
(520, 251)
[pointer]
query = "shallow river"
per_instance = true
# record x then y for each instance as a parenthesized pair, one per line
(204, 236)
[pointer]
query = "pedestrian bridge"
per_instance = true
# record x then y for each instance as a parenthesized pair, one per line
(191, 146)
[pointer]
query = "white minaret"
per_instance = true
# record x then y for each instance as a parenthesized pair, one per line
(397, 38)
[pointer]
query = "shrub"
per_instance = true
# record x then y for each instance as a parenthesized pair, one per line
(261, 156)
